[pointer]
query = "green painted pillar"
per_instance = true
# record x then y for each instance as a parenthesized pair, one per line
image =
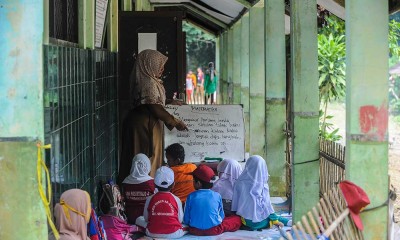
(257, 80)
(236, 62)
(305, 107)
(86, 27)
(127, 5)
(245, 76)
(21, 118)
(143, 5)
(112, 30)
(367, 108)
(229, 93)
(220, 66)
(218, 62)
(275, 74)
(224, 78)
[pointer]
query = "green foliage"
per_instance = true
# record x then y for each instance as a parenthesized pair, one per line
(327, 130)
(394, 37)
(331, 67)
(200, 47)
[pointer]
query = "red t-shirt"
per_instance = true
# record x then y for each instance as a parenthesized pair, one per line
(135, 196)
(164, 213)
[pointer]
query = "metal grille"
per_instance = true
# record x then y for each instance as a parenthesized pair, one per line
(63, 20)
(80, 117)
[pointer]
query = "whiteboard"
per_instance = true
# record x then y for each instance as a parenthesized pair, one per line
(214, 131)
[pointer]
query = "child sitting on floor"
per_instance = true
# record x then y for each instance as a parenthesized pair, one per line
(251, 199)
(204, 210)
(115, 227)
(163, 214)
(175, 154)
(228, 171)
(137, 187)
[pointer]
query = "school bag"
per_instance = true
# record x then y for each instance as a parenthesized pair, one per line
(95, 228)
(113, 195)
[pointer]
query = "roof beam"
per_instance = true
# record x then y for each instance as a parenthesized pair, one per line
(333, 7)
(245, 3)
(195, 11)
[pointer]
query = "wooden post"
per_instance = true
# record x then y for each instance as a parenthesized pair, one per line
(367, 107)
(305, 107)
(86, 26)
(229, 90)
(113, 26)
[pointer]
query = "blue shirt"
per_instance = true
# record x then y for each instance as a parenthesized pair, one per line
(203, 209)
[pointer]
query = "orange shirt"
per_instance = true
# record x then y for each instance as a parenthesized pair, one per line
(183, 180)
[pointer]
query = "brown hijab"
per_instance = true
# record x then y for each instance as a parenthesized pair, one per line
(146, 85)
(72, 214)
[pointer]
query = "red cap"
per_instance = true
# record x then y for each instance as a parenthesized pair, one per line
(356, 200)
(204, 173)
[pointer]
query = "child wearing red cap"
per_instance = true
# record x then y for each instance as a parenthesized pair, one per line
(163, 215)
(204, 211)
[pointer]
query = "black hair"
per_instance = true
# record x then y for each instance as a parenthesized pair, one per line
(104, 204)
(163, 189)
(204, 185)
(176, 151)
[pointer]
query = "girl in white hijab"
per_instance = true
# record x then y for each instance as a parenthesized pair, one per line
(251, 199)
(228, 171)
(137, 187)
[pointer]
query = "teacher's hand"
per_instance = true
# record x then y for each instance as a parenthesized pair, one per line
(181, 126)
(177, 102)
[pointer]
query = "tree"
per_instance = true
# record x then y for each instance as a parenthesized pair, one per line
(331, 65)
(200, 47)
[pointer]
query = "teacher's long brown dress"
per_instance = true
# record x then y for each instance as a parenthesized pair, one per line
(142, 130)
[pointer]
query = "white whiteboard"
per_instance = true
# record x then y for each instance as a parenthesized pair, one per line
(214, 131)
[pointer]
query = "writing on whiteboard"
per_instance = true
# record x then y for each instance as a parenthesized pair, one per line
(214, 131)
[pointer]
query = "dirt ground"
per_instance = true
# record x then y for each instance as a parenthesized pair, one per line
(339, 120)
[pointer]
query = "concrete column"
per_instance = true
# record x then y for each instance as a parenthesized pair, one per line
(224, 78)
(112, 30)
(275, 73)
(305, 107)
(21, 118)
(86, 27)
(245, 76)
(127, 5)
(229, 93)
(236, 62)
(220, 66)
(367, 107)
(257, 80)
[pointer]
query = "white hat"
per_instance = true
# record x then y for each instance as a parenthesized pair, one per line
(164, 177)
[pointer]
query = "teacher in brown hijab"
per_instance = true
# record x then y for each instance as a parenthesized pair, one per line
(142, 130)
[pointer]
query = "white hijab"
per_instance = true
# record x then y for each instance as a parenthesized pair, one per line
(140, 170)
(229, 170)
(251, 198)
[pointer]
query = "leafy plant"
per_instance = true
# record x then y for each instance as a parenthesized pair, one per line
(326, 129)
(331, 64)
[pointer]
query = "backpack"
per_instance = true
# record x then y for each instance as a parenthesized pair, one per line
(112, 194)
(95, 228)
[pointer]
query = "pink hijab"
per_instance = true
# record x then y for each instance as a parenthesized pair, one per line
(228, 170)
(73, 214)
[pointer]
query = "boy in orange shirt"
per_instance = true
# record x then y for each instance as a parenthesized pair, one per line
(175, 154)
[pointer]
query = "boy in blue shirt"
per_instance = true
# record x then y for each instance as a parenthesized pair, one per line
(204, 211)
